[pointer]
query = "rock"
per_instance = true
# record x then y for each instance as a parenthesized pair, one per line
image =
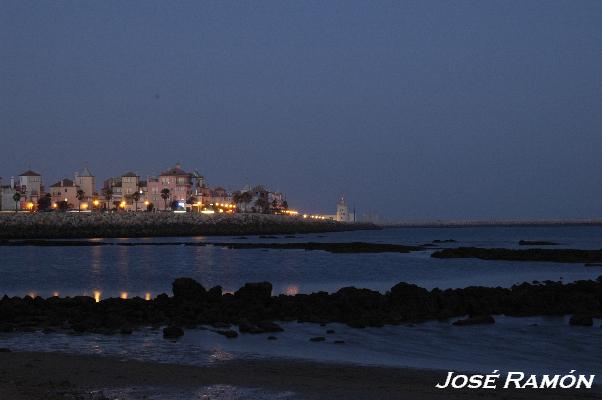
(172, 332)
(593, 265)
(247, 327)
(272, 338)
(536, 243)
(339, 342)
(221, 325)
(478, 320)
(317, 339)
(330, 331)
(581, 320)
(257, 291)
(215, 293)
(126, 330)
(4, 350)
(230, 334)
(188, 289)
(267, 326)
(550, 255)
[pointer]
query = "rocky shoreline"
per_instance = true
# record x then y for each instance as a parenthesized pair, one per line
(253, 309)
(55, 225)
(344, 247)
(547, 255)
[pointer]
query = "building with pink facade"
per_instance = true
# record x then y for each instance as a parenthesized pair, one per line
(65, 190)
(182, 187)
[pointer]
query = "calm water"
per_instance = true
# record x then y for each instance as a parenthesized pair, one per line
(530, 344)
(117, 270)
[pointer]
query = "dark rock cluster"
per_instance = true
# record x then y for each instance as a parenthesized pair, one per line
(550, 255)
(350, 247)
(253, 308)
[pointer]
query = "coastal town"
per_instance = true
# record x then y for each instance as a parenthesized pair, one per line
(173, 190)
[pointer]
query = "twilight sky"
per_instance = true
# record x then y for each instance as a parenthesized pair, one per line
(412, 109)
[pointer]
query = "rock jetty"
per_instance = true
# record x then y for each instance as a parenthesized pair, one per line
(57, 225)
(253, 308)
(347, 247)
(549, 255)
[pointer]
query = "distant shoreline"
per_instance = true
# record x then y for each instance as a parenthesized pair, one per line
(495, 223)
(160, 224)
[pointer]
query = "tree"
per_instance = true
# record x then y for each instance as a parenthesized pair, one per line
(165, 196)
(285, 205)
(274, 204)
(63, 205)
(245, 199)
(174, 205)
(136, 198)
(45, 202)
(80, 195)
(262, 204)
(236, 198)
(17, 198)
(108, 194)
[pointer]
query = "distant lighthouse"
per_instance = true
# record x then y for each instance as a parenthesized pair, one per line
(342, 211)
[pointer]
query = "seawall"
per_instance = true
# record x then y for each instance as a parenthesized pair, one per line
(57, 225)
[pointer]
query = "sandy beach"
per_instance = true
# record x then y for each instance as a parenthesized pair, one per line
(29, 376)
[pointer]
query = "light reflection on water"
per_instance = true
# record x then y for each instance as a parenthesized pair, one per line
(534, 344)
(140, 270)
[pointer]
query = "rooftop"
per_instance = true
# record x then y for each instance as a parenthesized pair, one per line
(177, 170)
(63, 183)
(30, 173)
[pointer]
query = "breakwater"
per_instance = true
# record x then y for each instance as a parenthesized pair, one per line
(253, 308)
(57, 225)
(545, 255)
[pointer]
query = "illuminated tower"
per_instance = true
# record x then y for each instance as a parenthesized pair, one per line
(342, 211)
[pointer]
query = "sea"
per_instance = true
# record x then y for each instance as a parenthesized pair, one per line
(533, 344)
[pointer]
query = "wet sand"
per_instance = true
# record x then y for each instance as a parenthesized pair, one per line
(29, 376)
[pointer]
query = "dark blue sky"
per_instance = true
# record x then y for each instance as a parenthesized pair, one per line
(413, 110)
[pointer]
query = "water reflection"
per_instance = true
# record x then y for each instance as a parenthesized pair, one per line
(219, 354)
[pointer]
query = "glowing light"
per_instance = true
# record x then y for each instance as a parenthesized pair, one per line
(123, 295)
(55, 294)
(207, 212)
(54, 205)
(146, 202)
(96, 203)
(122, 204)
(97, 294)
(304, 215)
(291, 290)
(84, 205)
(32, 295)
(30, 205)
(147, 296)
